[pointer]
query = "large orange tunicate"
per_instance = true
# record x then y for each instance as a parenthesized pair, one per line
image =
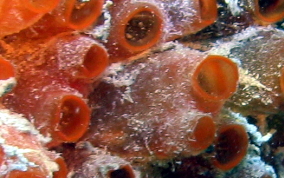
(136, 27)
(152, 107)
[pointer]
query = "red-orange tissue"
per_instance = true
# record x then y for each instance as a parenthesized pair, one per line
(136, 26)
(76, 55)
(22, 153)
(151, 108)
(79, 15)
(71, 58)
(231, 146)
(7, 76)
(266, 12)
(61, 114)
(187, 17)
(17, 15)
(55, 108)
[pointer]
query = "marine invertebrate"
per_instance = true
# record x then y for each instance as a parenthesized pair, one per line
(231, 146)
(266, 11)
(259, 90)
(150, 111)
(78, 15)
(16, 15)
(139, 114)
(136, 26)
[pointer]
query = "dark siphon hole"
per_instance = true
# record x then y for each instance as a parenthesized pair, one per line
(140, 27)
(267, 6)
(228, 146)
(121, 173)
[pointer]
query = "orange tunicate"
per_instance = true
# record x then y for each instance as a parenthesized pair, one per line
(79, 15)
(268, 11)
(6, 69)
(77, 56)
(56, 109)
(136, 26)
(146, 108)
(73, 59)
(203, 133)
(17, 15)
(231, 146)
(214, 79)
(71, 118)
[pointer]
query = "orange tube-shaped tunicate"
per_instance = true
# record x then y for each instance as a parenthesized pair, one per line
(6, 69)
(64, 116)
(74, 59)
(214, 79)
(79, 15)
(203, 133)
(268, 11)
(153, 105)
(56, 109)
(187, 17)
(69, 15)
(135, 27)
(77, 56)
(231, 146)
(16, 15)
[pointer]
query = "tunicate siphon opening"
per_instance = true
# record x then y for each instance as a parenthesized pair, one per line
(143, 28)
(6, 69)
(123, 172)
(270, 10)
(231, 146)
(208, 10)
(40, 6)
(82, 13)
(73, 118)
(215, 78)
(95, 61)
(63, 171)
(203, 133)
